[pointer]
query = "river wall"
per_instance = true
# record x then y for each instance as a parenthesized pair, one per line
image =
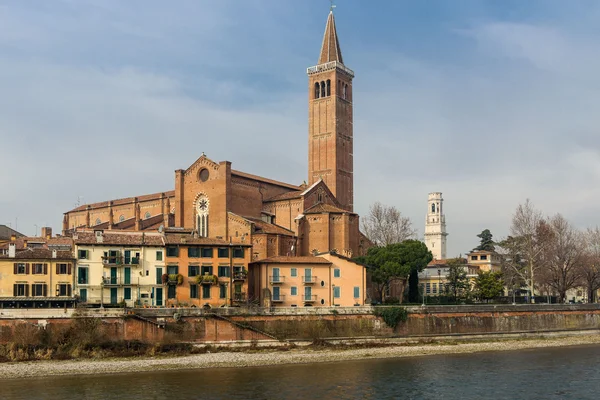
(195, 325)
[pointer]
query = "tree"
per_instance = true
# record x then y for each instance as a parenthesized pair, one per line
(385, 225)
(563, 257)
(486, 242)
(590, 267)
(457, 282)
(395, 262)
(489, 285)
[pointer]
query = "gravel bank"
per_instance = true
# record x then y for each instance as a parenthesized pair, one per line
(229, 359)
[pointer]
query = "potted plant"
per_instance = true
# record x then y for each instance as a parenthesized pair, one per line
(179, 279)
(165, 278)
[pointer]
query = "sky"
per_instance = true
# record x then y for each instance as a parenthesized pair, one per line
(488, 102)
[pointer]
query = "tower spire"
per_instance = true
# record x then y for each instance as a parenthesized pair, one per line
(330, 50)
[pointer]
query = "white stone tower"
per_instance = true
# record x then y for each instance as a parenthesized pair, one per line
(435, 226)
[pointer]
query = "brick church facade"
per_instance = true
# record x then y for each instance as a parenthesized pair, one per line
(210, 199)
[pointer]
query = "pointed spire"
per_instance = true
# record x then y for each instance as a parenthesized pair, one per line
(330, 50)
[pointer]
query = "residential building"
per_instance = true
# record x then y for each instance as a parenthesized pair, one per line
(328, 279)
(485, 260)
(204, 272)
(119, 268)
(435, 226)
(434, 278)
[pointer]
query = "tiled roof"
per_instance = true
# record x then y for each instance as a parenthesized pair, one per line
(266, 180)
(186, 239)
(152, 222)
(264, 227)
(293, 260)
(295, 194)
(119, 238)
(127, 200)
(6, 232)
(325, 208)
(38, 254)
(55, 241)
(330, 50)
(443, 261)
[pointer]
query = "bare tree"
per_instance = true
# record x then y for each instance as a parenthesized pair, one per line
(563, 257)
(385, 225)
(526, 245)
(590, 268)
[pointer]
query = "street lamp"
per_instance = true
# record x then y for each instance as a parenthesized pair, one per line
(439, 285)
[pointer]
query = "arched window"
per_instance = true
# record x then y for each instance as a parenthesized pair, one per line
(344, 90)
(323, 89)
(433, 208)
(121, 218)
(147, 215)
(328, 87)
(202, 216)
(317, 90)
(98, 222)
(338, 88)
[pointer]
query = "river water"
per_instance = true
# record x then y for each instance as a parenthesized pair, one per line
(558, 373)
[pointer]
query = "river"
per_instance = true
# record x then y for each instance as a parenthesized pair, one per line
(549, 373)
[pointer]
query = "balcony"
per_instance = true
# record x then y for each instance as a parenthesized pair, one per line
(239, 297)
(240, 276)
(112, 260)
(134, 261)
(309, 279)
(310, 298)
(110, 281)
(278, 299)
(277, 279)
(207, 279)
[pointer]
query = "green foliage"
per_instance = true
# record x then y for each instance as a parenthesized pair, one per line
(392, 316)
(489, 285)
(487, 242)
(457, 283)
(396, 261)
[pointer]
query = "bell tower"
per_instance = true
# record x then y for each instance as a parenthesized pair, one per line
(330, 128)
(435, 226)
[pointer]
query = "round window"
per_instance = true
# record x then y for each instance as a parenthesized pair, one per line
(322, 301)
(203, 175)
(322, 283)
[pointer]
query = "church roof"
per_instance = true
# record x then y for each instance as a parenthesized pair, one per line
(262, 179)
(296, 194)
(127, 200)
(330, 50)
(265, 227)
(325, 208)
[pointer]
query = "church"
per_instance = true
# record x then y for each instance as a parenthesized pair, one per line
(211, 199)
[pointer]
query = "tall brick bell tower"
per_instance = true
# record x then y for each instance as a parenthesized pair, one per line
(330, 140)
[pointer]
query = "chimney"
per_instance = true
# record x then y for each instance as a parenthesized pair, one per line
(46, 232)
(13, 237)
(54, 253)
(12, 250)
(99, 236)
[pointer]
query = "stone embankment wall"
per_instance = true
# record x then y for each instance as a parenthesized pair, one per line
(196, 325)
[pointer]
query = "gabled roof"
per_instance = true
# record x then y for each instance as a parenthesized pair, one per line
(325, 208)
(262, 179)
(296, 194)
(6, 232)
(188, 239)
(330, 50)
(39, 242)
(293, 260)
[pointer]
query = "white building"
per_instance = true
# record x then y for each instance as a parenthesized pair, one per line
(113, 267)
(435, 226)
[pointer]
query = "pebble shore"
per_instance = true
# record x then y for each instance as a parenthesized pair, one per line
(262, 358)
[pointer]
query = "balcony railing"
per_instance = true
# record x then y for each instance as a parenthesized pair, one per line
(132, 261)
(240, 276)
(110, 281)
(276, 279)
(328, 66)
(112, 260)
(309, 279)
(310, 298)
(278, 299)
(239, 297)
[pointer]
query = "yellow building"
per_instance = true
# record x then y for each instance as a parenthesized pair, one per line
(485, 260)
(35, 277)
(327, 279)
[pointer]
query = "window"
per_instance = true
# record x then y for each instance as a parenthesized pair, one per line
(127, 275)
(193, 291)
(223, 271)
(222, 291)
(223, 252)
(129, 260)
(83, 295)
(337, 291)
(356, 292)
(147, 215)
(483, 258)
(159, 255)
(83, 254)
(63, 289)
(294, 272)
(336, 272)
(21, 269)
(171, 291)
(193, 270)
(206, 291)
(98, 222)
(202, 205)
(172, 251)
(172, 269)
(294, 291)
(82, 275)
(127, 293)
(323, 89)
(38, 290)
(317, 90)
(433, 208)
(238, 252)
(38, 268)
(206, 252)
(328, 87)
(194, 252)
(63, 269)
(428, 288)
(307, 293)
(276, 293)
(276, 277)
(207, 270)
(474, 258)
(434, 288)
(20, 289)
(121, 218)
(159, 276)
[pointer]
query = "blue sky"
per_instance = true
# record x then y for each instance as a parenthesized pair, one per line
(490, 102)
